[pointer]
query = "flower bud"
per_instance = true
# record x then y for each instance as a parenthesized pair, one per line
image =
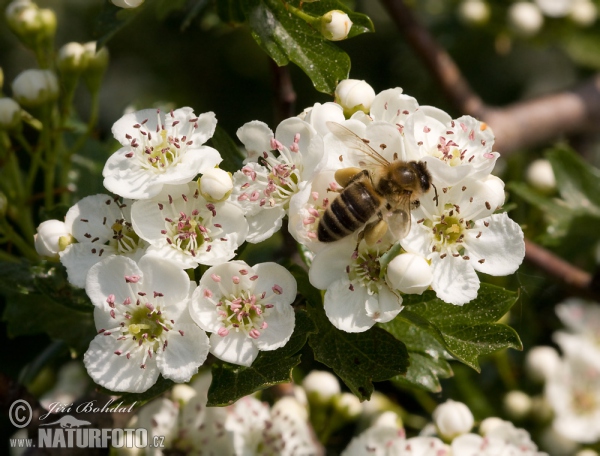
(96, 64)
(215, 185)
(354, 95)
(583, 12)
(540, 175)
(182, 393)
(452, 419)
(525, 18)
(127, 3)
(489, 424)
(35, 87)
(586, 452)
(554, 8)
(541, 363)
(335, 25)
(47, 19)
(474, 12)
(71, 58)
(48, 238)
(409, 273)
(348, 406)
(290, 406)
(31, 24)
(321, 387)
(517, 404)
(10, 114)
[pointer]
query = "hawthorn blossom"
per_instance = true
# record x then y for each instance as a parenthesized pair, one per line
(357, 296)
(381, 440)
(276, 167)
(159, 149)
(143, 322)
(181, 225)
(49, 238)
(496, 442)
(392, 106)
(247, 309)
(453, 149)
(102, 227)
(460, 234)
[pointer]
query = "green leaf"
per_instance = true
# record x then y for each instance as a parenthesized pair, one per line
(357, 358)
(139, 399)
(231, 11)
(578, 182)
(112, 19)
(427, 357)
(285, 37)
(231, 382)
(229, 150)
(468, 331)
(166, 7)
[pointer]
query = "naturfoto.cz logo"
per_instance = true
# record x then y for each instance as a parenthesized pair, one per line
(71, 432)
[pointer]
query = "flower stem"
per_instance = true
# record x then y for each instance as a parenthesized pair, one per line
(17, 240)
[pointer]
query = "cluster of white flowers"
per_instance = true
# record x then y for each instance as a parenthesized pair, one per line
(110, 245)
(572, 381)
(248, 427)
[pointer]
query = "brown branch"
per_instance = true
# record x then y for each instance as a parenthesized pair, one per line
(523, 124)
(285, 96)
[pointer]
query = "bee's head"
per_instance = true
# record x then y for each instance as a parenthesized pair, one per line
(423, 175)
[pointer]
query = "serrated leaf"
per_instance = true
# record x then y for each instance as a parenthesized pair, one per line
(577, 181)
(427, 357)
(285, 38)
(231, 382)
(229, 150)
(468, 331)
(112, 19)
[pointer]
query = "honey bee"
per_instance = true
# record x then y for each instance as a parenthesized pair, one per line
(386, 189)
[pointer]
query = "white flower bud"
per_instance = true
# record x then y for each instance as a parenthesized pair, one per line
(541, 363)
(335, 25)
(47, 239)
(215, 185)
(489, 424)
(409, 273)
(182, 393)
(127, 3)
(586, 452)
(517, 404)
(541, 176)
(354, 95)
(554, 8)
(21, 16)
(388, 419)
(35, 87)
(321, 386)
(452, 419)
(348, 406)
(475, 12)
(525, 18)
(71, 58)
(96, 61)
(584, 12)
(10, 114)
(47, 18)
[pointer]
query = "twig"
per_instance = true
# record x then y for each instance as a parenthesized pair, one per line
(285, 96)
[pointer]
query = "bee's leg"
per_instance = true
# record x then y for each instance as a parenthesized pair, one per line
(346, 175)
(375, 230)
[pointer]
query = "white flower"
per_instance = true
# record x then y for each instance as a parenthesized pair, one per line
(319, 114)
(409, 273)
(215, 185)
(354, 95)
(541, 175)
(505, 431)
(47, 240)
(382, 439)
(584, 12)
(581, 317)
(453, 149)
(555, 8)
(247, 309)
(474, 11)
(542, 363)
(102, 227)
(264, 189)
(525, 18)
(127, 3)
(35, 87)
(10, 113)
(475, 445)
(321, 386)
(452, 419)
(460, 234)
(143, 322)
(517, 404)
(159, 149)
(181, 225)
(357, 295)
(393, 106)
(335, 25)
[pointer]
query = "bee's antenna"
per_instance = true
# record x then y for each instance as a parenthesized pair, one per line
(436, 194)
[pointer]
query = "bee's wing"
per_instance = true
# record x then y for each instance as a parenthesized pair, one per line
(365, 155)
(398, 218)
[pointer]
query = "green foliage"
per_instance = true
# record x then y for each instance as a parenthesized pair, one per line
(229, 150)
(111, 20)
(231, 382)
(162, 385)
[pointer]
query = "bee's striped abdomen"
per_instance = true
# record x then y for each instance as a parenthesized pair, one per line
(355, 205)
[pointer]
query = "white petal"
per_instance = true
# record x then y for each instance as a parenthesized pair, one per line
(273, 274)
(393, 106)
(320, 114)
(346, 309)
(79, 258)
(500, 245)
(384, 306)
(262, 225)
(166, 277)
(236, 348)
(256, 137)
(198, 161)
(329, 265)
(281, 321)
(183, 354)
(116, 372)
(207, 123)
(454, 280)
(108, 277)
(93, 217)
(289, 128)
(204, 311)
(124, 126)
(124, 177)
